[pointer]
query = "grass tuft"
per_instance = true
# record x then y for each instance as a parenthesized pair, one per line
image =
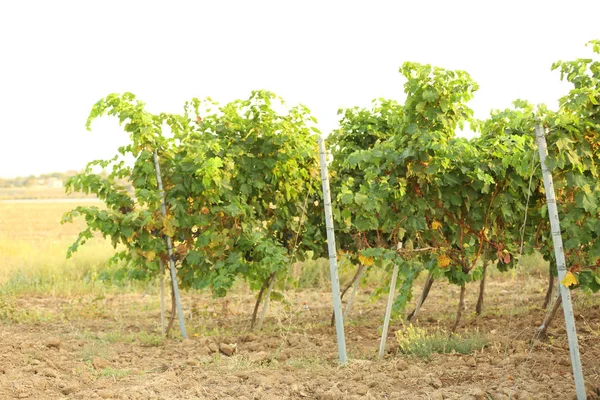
(421, 343)
(11, 313)
(115, 373)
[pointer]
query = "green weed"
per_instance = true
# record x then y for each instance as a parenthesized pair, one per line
(421, 343)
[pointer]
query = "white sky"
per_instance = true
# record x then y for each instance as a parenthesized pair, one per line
(57, 58)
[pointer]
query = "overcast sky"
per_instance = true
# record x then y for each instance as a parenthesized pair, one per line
(58, 58)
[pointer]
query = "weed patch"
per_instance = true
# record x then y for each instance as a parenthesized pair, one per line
(421, 343)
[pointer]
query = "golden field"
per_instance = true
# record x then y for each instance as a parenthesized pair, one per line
(33, 246)
(36, 192)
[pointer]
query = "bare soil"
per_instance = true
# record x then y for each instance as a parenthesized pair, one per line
(110, 348)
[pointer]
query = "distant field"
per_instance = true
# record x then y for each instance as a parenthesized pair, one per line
(40, 192)
(37, 223)
(33, 246)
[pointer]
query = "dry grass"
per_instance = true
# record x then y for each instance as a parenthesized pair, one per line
(33, 247)
(37, 223)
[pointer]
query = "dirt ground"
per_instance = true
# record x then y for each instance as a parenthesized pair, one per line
(110, 348)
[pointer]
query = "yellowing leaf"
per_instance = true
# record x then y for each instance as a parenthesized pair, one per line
(168, 227)
(569, 280)
(366, 261)
(435, 225)
(150, 255)
(443, 261)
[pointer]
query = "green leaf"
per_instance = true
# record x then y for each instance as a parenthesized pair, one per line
(361, 199)
(587, 200)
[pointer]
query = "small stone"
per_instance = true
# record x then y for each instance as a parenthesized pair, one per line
(206, 360)
(518, 358)
(191, 362)
(523, 395)
(361, 390)
(187, 385)
(415, 372)
(251, 337)
(259, 357)
(69, 388)
(254, 346)
(100, 363)
(436, 396)
(49, 372)
(401, 365)
(187, 342)
(51, 363)
(213, 347)
(478, 394)
(293, 340)
(53, 342)
(106, 393)
(435, 382)
(227, 349)
(333, 394)
(243, 375)
(470, 362)
(521, 347)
